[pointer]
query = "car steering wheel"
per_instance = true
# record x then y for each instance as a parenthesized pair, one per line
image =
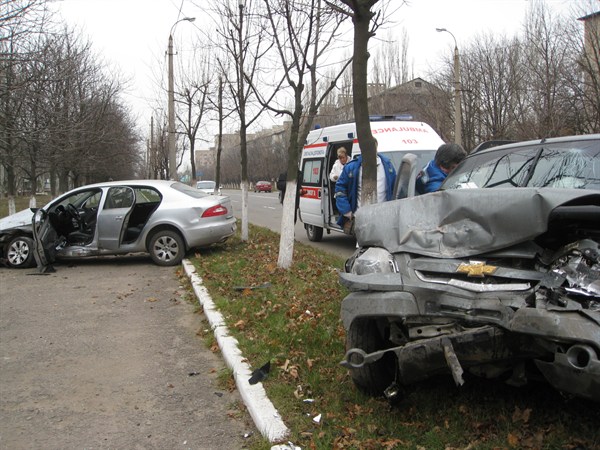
(74, 213)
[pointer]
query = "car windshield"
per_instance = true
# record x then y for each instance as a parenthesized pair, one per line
(205, 185)
(573, 165)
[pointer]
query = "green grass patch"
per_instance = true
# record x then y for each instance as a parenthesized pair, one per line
(291, 317)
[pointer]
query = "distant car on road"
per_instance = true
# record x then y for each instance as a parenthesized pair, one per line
(162, 218)
(263, 186)
(208, 187)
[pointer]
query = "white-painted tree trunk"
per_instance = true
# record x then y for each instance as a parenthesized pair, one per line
(286, 241)
(244, 211)
(32, 202)
(12, 207)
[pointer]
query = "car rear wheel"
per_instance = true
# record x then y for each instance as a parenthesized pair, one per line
(373, 378)
(315, 234)
(19, 254)
(166, 248)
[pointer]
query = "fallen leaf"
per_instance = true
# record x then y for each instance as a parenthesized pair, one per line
(521, 416)
(513, 440)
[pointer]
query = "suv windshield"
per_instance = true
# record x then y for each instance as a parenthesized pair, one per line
(573, 164)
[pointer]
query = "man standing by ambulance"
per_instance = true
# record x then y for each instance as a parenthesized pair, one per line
(348, 188)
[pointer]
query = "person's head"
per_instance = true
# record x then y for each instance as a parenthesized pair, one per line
(448, 156)
(342, 155)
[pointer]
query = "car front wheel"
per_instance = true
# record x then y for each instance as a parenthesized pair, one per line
(373, 378)
(19, 254)
(315, 234)
(166, 248)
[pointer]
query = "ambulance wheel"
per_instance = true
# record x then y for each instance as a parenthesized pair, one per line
(315, 234)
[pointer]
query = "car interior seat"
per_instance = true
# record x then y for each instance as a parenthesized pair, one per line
(404, 185)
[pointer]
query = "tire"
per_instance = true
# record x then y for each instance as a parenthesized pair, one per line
(373, 378)
(314, 233)
(19, 253)
(166, 248)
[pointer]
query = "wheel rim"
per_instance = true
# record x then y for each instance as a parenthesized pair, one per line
(18, 253)
(166, 248)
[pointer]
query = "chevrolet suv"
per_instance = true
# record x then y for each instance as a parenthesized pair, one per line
(496, 274)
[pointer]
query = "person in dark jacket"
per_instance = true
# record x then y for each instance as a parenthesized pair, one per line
(348, 186)
(435, 172)
(281, 182)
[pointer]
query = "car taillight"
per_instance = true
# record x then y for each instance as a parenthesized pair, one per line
(218, 210)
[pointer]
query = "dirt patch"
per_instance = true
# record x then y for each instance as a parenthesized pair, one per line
(99, 355)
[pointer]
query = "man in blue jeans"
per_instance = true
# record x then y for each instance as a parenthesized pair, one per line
(348, 186)
(435, 172)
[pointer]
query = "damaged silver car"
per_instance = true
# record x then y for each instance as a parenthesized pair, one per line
(501, 280)
(162, 218)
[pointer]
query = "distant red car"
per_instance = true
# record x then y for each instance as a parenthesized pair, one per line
(263, 186)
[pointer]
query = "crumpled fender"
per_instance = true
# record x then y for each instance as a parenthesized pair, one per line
(379, 304)
(582, 326)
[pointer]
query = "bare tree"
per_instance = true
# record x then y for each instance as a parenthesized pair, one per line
(365, 23)
(303, 32)
(193, 94)
(242, 41)
(582, 40)
(545, 57)
(64, 121)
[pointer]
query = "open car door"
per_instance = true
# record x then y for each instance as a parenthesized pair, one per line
(114, 216)
(44, 241)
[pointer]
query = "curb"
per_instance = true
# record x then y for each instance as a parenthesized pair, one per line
(265, 416)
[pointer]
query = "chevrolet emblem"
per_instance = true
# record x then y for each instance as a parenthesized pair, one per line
(476, 269)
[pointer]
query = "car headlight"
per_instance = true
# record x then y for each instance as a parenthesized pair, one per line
(372, 260)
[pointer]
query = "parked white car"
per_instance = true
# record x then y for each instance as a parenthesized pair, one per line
(208, 187)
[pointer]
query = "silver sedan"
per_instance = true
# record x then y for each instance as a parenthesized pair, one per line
(159, 217)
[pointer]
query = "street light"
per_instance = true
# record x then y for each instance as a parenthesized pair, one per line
(171, 106)
(457, 105)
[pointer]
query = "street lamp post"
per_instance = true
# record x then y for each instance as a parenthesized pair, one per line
(171, 106)
(457, 104)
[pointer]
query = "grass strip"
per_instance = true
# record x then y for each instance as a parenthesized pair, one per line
(291, 318)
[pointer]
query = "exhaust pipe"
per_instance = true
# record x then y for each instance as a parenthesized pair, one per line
(580, 356)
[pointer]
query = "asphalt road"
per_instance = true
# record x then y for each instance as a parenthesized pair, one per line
(104, 354)
(265, 210)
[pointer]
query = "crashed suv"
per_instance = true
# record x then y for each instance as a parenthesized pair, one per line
(497, 274)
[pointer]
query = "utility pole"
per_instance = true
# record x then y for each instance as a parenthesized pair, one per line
(457, 89)
(171, 106)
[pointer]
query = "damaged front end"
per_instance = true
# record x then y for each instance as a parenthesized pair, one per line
(443, 293)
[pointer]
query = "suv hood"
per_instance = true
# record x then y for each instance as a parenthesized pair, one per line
(464, 222)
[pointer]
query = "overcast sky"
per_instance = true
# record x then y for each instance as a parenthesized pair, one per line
(132, 35)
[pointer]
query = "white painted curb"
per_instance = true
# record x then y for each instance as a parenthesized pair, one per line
(265, 416)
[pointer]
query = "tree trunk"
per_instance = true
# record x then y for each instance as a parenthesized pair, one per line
(288, 218)
(362, 21)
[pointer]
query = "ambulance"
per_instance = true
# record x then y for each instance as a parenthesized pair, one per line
(395, 138)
